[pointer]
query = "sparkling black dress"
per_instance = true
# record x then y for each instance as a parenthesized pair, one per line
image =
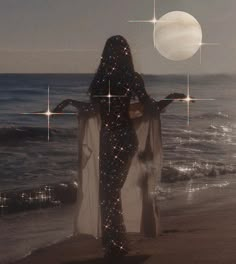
(118, 143)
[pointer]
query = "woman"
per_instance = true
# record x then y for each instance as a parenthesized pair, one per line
(112, 88)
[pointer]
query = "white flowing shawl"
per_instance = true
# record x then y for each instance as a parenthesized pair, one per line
(87, 216)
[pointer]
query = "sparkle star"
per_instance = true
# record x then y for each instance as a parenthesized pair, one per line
(48, 113)
(188, 99)
(109, 96)
(153, 21)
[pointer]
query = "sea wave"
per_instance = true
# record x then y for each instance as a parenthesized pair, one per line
(15, 201)
(207, 116)
(14, 135)
(218, 115)
(175, 173)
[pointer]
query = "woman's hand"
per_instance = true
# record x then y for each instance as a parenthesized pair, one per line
(59, 108)
(179, 96)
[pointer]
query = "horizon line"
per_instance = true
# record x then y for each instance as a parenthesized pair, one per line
(92, 73)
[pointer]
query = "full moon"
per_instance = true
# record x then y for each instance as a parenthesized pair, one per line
(178, 36)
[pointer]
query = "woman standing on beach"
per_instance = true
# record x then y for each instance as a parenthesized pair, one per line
(113, 87)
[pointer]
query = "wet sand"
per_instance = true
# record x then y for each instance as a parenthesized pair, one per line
(198, 227)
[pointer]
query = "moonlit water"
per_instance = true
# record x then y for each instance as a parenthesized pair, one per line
(196, 158)
(204, 149)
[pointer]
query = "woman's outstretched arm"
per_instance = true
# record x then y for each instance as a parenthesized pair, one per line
(81, 107)
(144, 98)
(162, 104)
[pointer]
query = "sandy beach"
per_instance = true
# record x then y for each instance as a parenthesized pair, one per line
(197, 227)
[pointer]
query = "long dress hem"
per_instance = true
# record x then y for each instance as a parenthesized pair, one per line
(138, 195)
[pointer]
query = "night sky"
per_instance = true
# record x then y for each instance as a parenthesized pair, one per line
(51, 36)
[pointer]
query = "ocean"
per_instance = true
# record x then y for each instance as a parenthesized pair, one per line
(197, 156)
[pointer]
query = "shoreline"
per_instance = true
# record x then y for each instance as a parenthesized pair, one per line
(196, 228)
